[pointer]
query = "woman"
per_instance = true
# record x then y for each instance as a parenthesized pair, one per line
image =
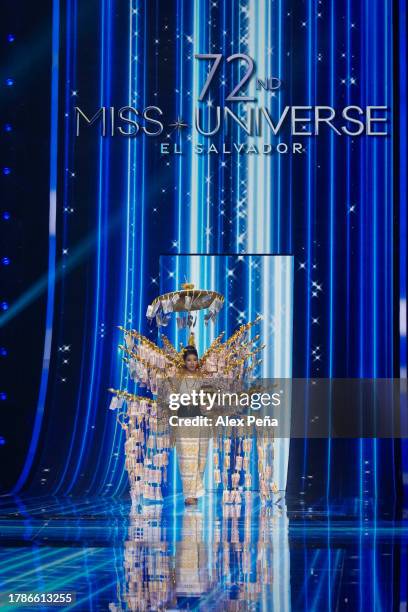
(191, 451)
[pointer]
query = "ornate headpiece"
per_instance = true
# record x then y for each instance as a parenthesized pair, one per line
(191, 339)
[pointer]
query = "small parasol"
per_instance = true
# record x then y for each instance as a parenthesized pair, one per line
(187, 300)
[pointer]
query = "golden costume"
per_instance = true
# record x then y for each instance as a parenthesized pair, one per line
(147, 429)
(191, 450)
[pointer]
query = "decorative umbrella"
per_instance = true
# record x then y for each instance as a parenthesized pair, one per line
(186, 300)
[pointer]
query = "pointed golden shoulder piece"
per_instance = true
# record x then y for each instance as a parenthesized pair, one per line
(169, 346)
(213, 347)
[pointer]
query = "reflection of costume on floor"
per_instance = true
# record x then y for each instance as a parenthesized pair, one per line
(239, 563)
(192, 573)
(148, 565)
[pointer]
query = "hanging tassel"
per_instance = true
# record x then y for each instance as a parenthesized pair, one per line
(150, 312)
(235, 480)
(133, 408)
(236, 497)
(129, 341)
(167, 306)
(114, 403)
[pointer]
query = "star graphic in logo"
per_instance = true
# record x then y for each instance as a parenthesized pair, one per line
(178, 124)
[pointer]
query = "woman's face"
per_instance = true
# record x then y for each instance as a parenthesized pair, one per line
(191, 363)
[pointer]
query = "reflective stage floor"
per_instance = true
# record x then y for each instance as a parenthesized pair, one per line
(164, 557)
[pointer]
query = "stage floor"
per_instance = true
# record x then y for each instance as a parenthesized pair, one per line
(289, 556)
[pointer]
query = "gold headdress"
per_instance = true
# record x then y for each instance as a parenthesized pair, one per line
(191, 339)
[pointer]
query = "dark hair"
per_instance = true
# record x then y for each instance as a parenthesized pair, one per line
(189, 350)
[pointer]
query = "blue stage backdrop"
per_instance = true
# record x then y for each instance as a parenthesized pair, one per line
(117, 204)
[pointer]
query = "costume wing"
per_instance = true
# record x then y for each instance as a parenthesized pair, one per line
(148, 363)
(236, 357)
